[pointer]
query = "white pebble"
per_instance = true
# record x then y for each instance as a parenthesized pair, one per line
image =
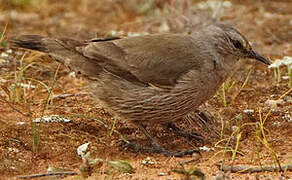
(234, 128)
(248, 111)
(9, 51)
(162, 174)
(20, 123)
(205, 148)
(285, 77)
(3, 54)
(82, 148)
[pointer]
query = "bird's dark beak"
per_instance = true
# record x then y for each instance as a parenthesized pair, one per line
(254, 55)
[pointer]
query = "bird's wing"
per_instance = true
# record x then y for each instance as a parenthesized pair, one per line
(158, 60)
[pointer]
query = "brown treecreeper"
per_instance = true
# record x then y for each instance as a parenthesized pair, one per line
(153, 78)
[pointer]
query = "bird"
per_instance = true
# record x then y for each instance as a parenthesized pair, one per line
(151, 79)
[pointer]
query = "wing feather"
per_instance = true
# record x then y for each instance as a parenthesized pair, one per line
(153, 59)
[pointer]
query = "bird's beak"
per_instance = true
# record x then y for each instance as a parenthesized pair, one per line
(255, 55)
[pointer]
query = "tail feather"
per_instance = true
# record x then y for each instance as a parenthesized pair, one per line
(33, 42)
(63, 50)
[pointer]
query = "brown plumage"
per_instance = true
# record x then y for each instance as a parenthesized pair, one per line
(153, 78)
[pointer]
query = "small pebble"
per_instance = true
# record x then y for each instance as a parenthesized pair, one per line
(72, 74)
(13, 150)
(273, 96)
(20, 123)
(206, 149)
(277, 124)
(248, 111)
(3, 54)
(52, 118)
(234, 128)
(285, 77)
(162, 174)
(82, 149)
(148, 161)
(273, 103)
(9, 51)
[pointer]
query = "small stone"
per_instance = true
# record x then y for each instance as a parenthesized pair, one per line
(234, 128)
(72, 74)
(273, 96)
(148, 161)
(273, 103)
(277, 124)
(285, 77)
(9, 51)
(52, 118)
(82, 149)
(3, 54)
(248, 111)
(206, 149)
(13, 150)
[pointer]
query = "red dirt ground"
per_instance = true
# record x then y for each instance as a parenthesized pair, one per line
(266, 23)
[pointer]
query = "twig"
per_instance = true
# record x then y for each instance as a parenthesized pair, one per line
(3, 33)
(48, 174)
(252, 169)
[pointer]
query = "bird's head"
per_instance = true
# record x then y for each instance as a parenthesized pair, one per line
(229, 41)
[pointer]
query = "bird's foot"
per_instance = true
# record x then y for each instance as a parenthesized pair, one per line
(157, 148)
(184, 133)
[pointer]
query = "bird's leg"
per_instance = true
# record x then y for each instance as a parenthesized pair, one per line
(184, 133)
(155, 142)
(157, 148)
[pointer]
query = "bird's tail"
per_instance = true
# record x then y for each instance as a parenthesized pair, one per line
(62, 50)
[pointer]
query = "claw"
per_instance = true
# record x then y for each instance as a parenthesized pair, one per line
(186, 134)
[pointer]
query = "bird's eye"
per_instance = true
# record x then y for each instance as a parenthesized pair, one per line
(237, 44)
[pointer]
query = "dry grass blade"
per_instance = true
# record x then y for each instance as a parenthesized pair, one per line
(3, 33)
(261, 135)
